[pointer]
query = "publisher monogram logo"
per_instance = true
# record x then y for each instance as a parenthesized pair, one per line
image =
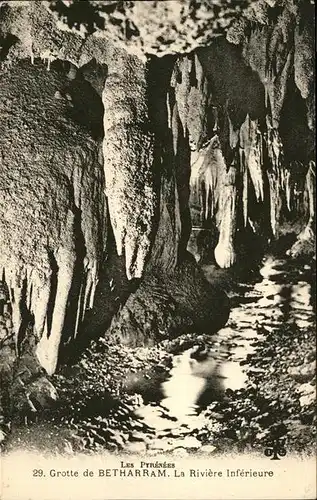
(275, 450)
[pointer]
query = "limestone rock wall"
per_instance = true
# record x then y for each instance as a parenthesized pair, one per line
(151, 27)
(140, 195)
(211, 109)
(52, 205)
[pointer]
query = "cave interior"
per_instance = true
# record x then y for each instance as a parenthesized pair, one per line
(134, 152)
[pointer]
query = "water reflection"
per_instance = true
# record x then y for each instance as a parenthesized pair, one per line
(183, 388)
(203, 373)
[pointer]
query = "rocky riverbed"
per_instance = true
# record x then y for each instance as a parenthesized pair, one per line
(240, 390)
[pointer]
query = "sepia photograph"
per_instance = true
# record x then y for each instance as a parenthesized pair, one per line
(157, 250)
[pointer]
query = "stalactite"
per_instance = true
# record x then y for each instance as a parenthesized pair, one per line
(48, 347)
(207, 174)
(192, 96)
(47, 57)
(310, 187)
(255, 143)
(128, 150)
(304, 56)
(225, 254)
(181, 82)
(286, 183)
(223, 190)
(164, 254)
(198, 104)
(306, 240)
(69, 232)
(216, 186)
(52, 209)
(233, 135)
(245, 189)
(275, 154)
(175, 127)
(270, 53)
(251, 144)
(274, 200)
(165, 120)
(180, 164)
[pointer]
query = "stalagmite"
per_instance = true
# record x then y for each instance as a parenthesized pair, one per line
(128, 150)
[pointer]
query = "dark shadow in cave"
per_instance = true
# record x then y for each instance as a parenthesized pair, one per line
(78, 283)
(5, 45)
(297, 138)
(232, 81)
(112, 291)
(83, 87)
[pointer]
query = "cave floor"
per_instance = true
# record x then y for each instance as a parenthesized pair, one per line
(250, 388)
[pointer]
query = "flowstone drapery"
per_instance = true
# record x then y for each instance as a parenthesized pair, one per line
(128, 151)
(118, 126)
(52, 208)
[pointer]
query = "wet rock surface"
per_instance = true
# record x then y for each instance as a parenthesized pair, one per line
(166, 305)
(236, 391)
